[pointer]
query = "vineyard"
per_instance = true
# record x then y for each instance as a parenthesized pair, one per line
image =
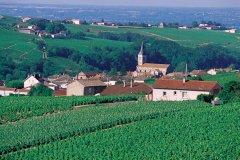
(132, 130)
(13, 109)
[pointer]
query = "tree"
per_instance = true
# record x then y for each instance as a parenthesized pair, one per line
(55, 27)
(15, 84)
(205, 98)
(230, 92)
(40, 90)
(194, 24)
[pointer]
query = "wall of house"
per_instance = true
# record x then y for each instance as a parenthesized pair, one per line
(158, 95)
(31, 81)
(6, 93)
(93, 90)
(75, 89)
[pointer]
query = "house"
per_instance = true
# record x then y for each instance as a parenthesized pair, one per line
(12, 91)
(175, 75)
(180, 90)
(20, 25)
(231, 31)
(196, 73)
(27, 31)
(86, 75)
(60, 34)
(85, 87)
(33, 27)
(129, 88)
(33, 80)
(110, 81)
(76, 21)
(153, 69)
(62, 81)
(203, 25)
(42, 33)
(26, 19)
(212, 71)
(183, 27)
(161, 25)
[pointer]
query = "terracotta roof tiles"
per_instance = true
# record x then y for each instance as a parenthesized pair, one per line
(188, 85)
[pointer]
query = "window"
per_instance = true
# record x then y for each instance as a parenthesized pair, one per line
(184, 94)
(175, 93)
(90, 90)
(164, 93)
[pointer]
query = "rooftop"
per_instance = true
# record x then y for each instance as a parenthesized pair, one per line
(137, 88)
(154, 65)
(188, 85)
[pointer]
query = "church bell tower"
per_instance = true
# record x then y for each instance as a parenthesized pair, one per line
(141, 57)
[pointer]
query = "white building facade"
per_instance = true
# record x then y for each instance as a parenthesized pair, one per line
(181, 90)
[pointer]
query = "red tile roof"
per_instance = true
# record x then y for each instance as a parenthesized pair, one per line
(188, 85)
(7, 89)
(138, 88)
(153, 65)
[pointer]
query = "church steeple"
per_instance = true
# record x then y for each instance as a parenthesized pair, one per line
(141, 50)
(141, 57)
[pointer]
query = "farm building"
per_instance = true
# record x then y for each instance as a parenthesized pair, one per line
(27, 31)
(85, 87)
(129, 88)
(180, 90)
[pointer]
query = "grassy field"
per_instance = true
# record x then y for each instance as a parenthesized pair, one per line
(18, 46)
(150, 130)
(222, 78)
(188, 38)
(85, 46)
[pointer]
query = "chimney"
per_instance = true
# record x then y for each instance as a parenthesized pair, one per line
(124, 83)
(131, 85)
(107, 82)
(184, 80)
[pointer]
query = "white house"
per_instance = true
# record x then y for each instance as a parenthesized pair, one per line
(32, 80)
(212, 71)
(76, 21)
(180, 90)
(231, 31)
(12, 91)
(26, 19)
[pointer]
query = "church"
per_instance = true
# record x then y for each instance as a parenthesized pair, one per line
(149, 69)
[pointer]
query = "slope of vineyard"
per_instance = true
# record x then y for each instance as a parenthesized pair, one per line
(195, 133)
(44, 129)
(13, 109)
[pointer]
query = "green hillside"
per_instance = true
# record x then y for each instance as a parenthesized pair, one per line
(112, 49)
(138, 130)
(188, 38)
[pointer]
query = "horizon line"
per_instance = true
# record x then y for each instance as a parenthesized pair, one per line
(100, 5)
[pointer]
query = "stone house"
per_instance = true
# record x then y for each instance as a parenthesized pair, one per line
(85, 87)
(33, 80)
(86, 75)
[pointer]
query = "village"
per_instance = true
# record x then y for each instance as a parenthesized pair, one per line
(174, 86)
(33, 29)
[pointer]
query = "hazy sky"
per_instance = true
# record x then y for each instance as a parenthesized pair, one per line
(169, 3)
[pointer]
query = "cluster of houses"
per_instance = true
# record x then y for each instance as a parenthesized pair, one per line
(203, 26)
(34, 30)
(168, 87)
